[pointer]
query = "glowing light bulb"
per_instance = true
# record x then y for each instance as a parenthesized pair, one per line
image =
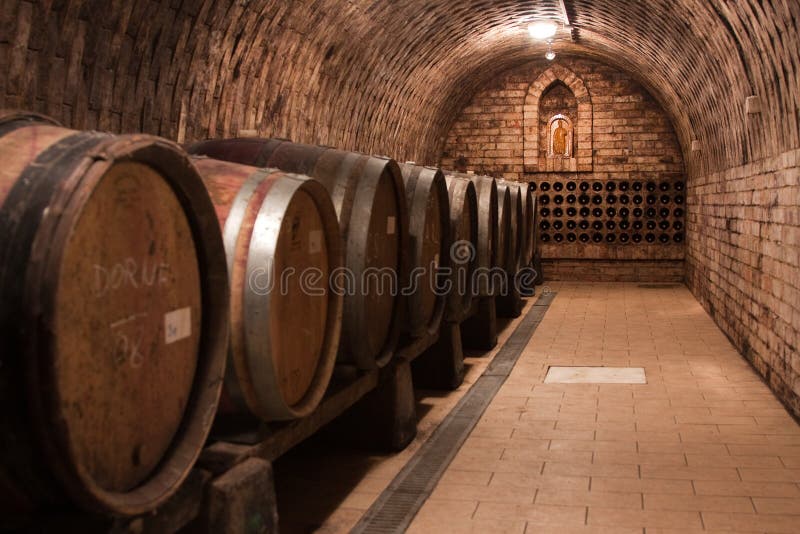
(550, 55)
(542, 30)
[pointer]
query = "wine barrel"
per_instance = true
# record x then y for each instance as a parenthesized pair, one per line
(536, 257)
(429, 237)
(114, 318)
(505, 251)
(369, 197)
(516, 238)
(464, 247)
(486, 258)
(282, 243)
(528, 211)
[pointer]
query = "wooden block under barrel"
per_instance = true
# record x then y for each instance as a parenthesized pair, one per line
(442, 365)
(480, 330)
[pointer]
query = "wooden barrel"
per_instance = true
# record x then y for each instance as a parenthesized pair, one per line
(534, 228)
(536, 257)
(429, 237)
(505, 251)
(486, 258)
(464, 247)
(369, 198)
(516, 237)
(282, 243)
(528, 210)
(114, 318)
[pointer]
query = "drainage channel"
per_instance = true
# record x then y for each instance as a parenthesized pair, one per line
(401, 500)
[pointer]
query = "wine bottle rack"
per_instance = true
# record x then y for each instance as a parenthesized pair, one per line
(614, 212)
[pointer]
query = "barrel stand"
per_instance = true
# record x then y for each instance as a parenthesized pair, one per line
(479, 329)
(231, 489)
(442, 365)
(527, 286)
(240, 500)
(386, 418)
(510, 305)
(537, 267)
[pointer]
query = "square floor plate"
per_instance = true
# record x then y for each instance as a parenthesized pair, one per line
(595, 375)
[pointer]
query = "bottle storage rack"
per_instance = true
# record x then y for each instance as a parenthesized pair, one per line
(614, 212)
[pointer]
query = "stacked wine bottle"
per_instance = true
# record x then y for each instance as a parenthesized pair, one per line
(613, 212)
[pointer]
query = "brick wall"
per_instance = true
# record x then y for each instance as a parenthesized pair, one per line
(647, 271)
(632, 135)
(743, 263)
(632, 139)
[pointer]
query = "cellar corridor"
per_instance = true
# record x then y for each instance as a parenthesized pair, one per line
(703, 445)
(377, 266)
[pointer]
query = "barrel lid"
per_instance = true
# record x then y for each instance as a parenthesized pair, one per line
(132, 289)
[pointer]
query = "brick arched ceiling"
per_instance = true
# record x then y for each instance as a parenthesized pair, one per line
(388, 76)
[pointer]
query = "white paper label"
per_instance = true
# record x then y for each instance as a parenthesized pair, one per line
(177, 325)
(390, 224)
(436, 262)
(314, 241)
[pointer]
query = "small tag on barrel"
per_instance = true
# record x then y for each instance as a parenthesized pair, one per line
(315, 242)
(177, 325)
(390, 225)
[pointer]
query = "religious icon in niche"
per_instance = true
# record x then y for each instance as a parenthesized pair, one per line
(559, 137)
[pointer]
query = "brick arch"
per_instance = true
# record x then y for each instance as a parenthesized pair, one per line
(530, 119)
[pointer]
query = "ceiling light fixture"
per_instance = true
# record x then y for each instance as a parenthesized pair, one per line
(550, 55)
(542, 30)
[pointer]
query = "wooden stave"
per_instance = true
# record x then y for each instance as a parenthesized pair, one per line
(332, 167)
(58, 480)
(419, 183)
(261, 394)
(463, 204)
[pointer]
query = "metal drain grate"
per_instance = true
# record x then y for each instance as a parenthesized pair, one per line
(399, 503)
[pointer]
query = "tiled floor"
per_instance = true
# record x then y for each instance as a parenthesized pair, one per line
(703, 446)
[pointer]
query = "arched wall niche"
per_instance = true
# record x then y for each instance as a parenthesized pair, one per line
(581, 160)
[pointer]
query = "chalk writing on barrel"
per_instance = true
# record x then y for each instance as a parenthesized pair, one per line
(129, 273)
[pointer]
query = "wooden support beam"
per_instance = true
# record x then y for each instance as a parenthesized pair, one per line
(242, 501)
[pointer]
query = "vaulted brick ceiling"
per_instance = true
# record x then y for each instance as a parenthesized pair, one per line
(389, 76)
